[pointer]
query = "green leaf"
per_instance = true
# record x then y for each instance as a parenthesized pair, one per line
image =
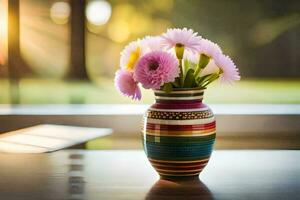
(168, 87)
(202, 79)
(188, 65)
(212, 78)
(176, 83)
(189, 79)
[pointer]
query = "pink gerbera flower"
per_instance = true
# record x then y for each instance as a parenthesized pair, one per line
(156, 68)
(228, 71)
(126, 85)
(185, 37)
(210, 49)
(151, 43)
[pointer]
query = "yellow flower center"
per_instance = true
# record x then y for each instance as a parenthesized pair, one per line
(134, 56)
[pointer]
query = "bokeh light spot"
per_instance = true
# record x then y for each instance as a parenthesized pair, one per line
(98, 12)
(60, 12)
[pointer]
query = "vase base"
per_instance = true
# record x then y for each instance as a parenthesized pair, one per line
(179, 178)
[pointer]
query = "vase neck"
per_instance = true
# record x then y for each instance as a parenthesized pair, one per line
(179, 96)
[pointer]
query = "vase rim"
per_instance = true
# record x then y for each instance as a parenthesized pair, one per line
(196, 89)
(189, 94)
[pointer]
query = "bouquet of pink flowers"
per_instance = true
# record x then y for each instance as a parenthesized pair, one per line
(179, 58)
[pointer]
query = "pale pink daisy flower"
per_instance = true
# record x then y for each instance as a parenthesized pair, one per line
(130, 55)
(228, 71)
(151, 43)
(126, 85)
(210, 49)
(182, 37)
(156, 68)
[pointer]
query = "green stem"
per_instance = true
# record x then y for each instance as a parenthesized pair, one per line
(181, 73)
(179, 50)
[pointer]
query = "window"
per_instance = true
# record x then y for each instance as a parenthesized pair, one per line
(261, 37)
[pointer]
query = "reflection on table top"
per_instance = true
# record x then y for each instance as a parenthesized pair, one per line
(81, 174)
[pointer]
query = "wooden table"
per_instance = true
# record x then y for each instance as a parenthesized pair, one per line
(95, 175)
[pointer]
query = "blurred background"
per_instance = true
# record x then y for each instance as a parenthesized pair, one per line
(66, 52)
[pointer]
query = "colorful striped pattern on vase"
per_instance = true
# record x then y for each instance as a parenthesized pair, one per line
(178, 133)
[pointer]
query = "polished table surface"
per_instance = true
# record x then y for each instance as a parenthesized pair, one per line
(95, 175)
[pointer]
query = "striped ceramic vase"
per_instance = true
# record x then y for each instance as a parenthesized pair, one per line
(179, 133)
